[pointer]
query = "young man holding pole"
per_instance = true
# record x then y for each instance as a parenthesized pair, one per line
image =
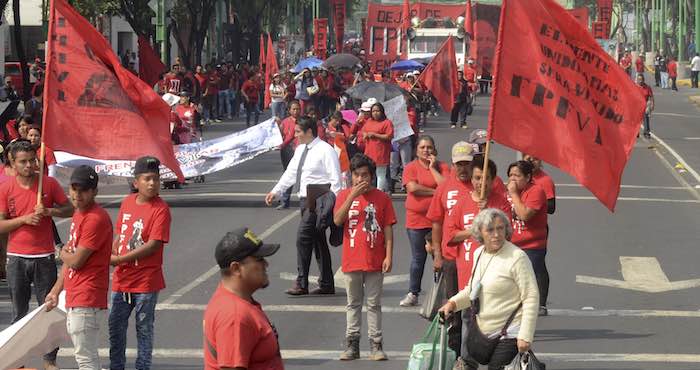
(30, 247)
(85, 272)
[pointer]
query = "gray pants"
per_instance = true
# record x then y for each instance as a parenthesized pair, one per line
(358, 285)
(21, 274)
(83, 324)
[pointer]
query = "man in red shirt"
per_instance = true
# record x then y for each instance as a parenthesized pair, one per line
(251, 93)
(85, 272)
(649, 99)
(30, 246)
(367, 216)
(173, 82)
(639, 65)
(237, 333)
(143, 229)
(626, 63)
(672, 67)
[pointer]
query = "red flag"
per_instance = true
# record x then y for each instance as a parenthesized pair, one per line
(564, 101)
(440, 75)
(261, 57)
(342, 149)
(150, 65)
(469, 21)
(270, 69)
(93, 106)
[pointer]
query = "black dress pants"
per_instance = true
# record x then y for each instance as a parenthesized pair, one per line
(309, 241)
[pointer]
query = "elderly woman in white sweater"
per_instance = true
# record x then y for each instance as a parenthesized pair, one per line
(503, 282)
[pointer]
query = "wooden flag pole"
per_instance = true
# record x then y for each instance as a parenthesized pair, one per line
(39, 191)
(485, 170)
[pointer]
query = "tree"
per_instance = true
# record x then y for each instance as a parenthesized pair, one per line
(136, 12)
(20, 51)
(189, 22)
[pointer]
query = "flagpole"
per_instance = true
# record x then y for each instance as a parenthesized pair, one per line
(45, 102)
(484, 173)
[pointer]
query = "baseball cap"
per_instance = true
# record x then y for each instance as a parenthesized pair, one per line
(240, 243)
(147, 164)
(462, 151)
(185, 94)
(478, 136)
(85, 177)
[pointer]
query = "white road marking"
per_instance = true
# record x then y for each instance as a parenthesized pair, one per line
(588, 312)
(215, 269)
(630, 187)
(332, 355)
(677, 175)
(691, 138)
(654, 200)
(244, 181)
(674, 115)
(643, 274)
(340, 277)
(678, 157)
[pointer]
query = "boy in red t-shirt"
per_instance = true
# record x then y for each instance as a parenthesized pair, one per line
(30, 246)
(143, 229)
(85, 272)
(367, 217)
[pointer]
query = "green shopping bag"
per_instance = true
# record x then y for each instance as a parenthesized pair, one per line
(432, 351)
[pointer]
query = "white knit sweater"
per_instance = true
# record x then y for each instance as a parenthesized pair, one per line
(506, 280)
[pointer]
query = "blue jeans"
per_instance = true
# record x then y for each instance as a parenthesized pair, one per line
(647, 126)
(537, 258)
(122, 305)
(382, 181)
(416, 237)
(224, 104)
(232, 102)
(278, 109)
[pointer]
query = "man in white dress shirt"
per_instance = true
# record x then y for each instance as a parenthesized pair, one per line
(314, 163)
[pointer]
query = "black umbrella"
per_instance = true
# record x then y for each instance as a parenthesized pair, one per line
(341, 61)
(379, 90)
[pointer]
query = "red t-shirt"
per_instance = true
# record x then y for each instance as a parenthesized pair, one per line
(365, 250)
(252, 90)
(445, 198)
(88, 287)
(639, 63)
(533, 233)
(287, 129)
(343, 130)
(461, 218)
(542, 179)
(136, 225)
(672, 69)
(378, 150)
(417, 205)
(16, 201)
(240, 334)
(646, 91)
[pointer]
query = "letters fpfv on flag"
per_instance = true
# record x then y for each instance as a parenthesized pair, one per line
(560, 97)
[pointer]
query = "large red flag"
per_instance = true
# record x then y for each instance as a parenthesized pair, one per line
(564, 99)
(93, 106)
(468, 20)
(270, 69)
(150, 65)
(440, 75)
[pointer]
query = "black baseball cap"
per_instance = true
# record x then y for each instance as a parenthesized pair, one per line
(147, 164)
(240, 243)
(85, 177)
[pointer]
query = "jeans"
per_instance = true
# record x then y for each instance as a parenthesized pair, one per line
(664, 80)
(647, 125)
(286, 155)
(21, 274)
(401, 158)
(278, 109)
(310, 240)
(232, 102)
(122, 305)
(251, 108)
(657, 76)
(224, 104)
(459, 113)
(83, 324)
(382, 182)
(416, 237)
(673, 83)
(359, 284)
(208, 106)
(537, 258)
(694, 78)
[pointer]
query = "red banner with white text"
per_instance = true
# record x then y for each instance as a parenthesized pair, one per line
(339, 23)
(320, 37)
(563, 99)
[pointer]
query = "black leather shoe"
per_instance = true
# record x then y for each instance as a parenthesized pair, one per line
(323, 291)
(297, 291)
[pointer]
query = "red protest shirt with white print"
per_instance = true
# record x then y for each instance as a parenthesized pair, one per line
(447, 196)
(16, 201)
(89, 286)
(363, 232)
(533, 233)
(545, 182)
(461, 218)
(186, 114)
(417, 205)
(137, 224)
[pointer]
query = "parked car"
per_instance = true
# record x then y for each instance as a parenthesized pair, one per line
(13, 70)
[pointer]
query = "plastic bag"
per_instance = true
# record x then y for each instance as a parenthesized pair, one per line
(425, 355)
(525, 361)
(435, 299)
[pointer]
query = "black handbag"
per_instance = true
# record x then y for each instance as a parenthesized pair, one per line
(479, 346)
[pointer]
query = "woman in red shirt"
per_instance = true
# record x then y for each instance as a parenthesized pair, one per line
(530, 222)
(377, 133)
(420, 177)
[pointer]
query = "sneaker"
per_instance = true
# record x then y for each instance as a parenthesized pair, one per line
(50, 365)
(542, 311)
(352, 349)
(453, 126)
(409, 300)
(464, 125)
(377, 353)
(217, 120)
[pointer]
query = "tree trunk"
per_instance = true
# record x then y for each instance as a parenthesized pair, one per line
(20, 52)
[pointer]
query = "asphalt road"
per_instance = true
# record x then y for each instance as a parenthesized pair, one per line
(602, 315)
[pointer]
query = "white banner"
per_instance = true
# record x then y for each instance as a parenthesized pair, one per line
(397, 112)
(196, 159)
